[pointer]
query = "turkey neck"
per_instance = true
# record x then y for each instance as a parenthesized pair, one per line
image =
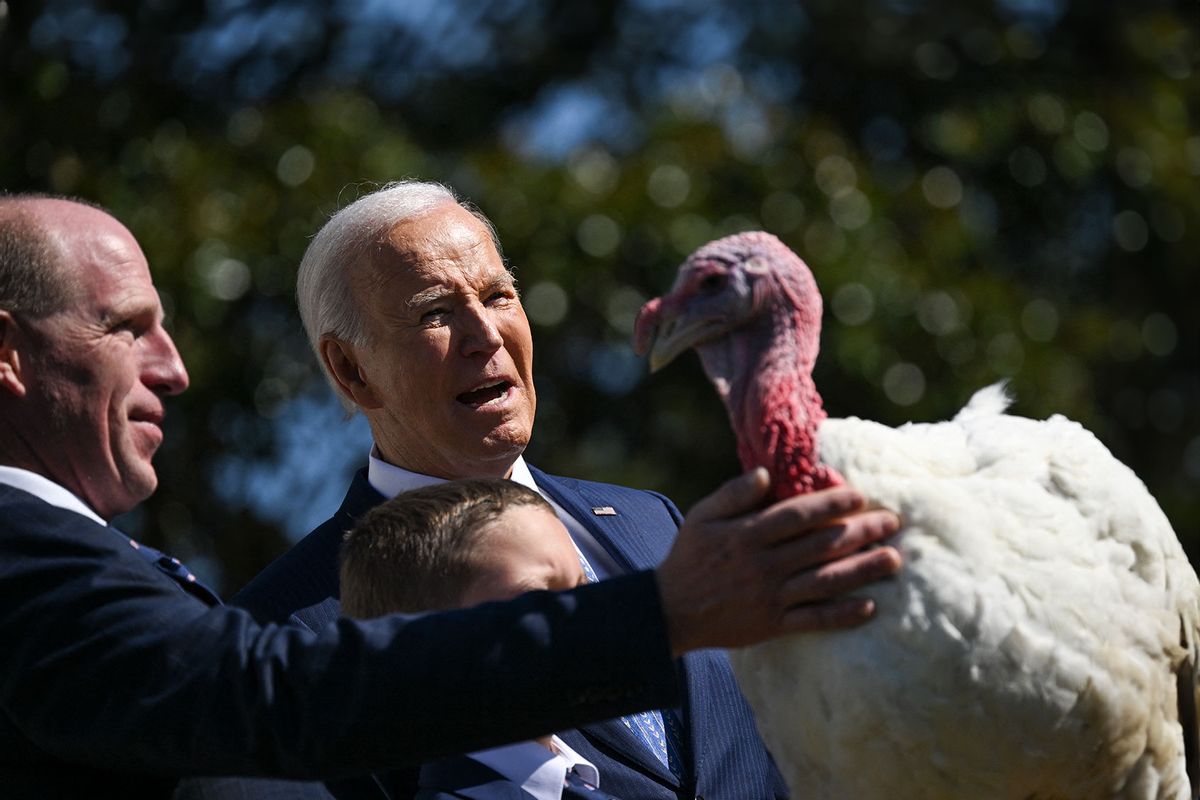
(763, 372)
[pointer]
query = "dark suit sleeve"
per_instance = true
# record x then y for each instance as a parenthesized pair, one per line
(103, 661)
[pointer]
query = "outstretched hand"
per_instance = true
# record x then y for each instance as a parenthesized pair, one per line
(739, 574)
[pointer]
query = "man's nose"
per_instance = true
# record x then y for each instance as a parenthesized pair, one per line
(480, 333)
(162, 367)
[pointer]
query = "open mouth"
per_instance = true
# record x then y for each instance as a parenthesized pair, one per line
(485, 394)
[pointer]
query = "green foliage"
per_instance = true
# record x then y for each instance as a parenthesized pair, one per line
(983, 195)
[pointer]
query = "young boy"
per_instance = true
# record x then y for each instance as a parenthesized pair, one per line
(459, 544)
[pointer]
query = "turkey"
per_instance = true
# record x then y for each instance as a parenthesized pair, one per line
(1040, 641)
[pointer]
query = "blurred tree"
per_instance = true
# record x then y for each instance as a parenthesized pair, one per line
(984, 190)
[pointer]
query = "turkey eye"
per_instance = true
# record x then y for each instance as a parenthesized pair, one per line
(712, 283)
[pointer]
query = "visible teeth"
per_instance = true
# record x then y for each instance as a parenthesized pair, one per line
(485, 394)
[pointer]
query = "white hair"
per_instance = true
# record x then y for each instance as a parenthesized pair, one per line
(323, 285)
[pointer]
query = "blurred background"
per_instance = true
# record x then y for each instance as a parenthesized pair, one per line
(984, 190)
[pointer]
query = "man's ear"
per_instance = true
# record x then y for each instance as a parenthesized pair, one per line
(11, 379)
(341, 361)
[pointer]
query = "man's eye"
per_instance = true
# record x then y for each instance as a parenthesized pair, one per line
(434, 314)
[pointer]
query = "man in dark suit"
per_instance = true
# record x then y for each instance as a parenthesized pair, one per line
(119, 672)
(416, 321)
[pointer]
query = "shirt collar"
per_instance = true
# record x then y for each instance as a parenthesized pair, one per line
(45, 489)
(390, 480)
(538, 771)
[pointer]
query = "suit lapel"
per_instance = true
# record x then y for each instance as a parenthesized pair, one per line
(613, 738)
(701, 669)
(360, 498)
(619, 533)
(322, 548)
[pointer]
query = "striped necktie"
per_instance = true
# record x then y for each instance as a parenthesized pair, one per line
(650, 727)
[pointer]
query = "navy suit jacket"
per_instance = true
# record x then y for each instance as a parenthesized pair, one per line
(724, 757)
(115, 680)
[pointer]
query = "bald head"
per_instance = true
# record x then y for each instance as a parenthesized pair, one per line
(33, 278)
(85, 362)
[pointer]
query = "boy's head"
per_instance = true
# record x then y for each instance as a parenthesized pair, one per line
(455, 544)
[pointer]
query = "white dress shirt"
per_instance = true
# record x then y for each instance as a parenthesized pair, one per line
(46, 489)
(390, 480)
(536, 769)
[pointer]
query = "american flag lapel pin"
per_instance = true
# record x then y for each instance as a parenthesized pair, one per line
(604, 511)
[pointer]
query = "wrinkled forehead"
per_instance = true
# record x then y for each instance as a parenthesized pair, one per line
(112, 251)
(448, 231)
(93, 248)
(446, 247)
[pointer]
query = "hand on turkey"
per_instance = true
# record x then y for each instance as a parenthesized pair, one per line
(739, 573)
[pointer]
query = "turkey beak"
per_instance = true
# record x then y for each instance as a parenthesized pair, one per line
(664, 329)
(678, 334)
(656, 332)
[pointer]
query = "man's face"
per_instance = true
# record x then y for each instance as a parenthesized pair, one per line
(447, 374)
(98, 370)
(525, 549)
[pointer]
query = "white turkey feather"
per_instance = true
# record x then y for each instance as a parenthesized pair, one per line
(1028, 648)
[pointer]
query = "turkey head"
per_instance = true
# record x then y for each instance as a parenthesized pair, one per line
(750, 308)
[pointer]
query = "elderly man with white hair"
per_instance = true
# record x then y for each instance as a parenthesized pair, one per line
(417, 323)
